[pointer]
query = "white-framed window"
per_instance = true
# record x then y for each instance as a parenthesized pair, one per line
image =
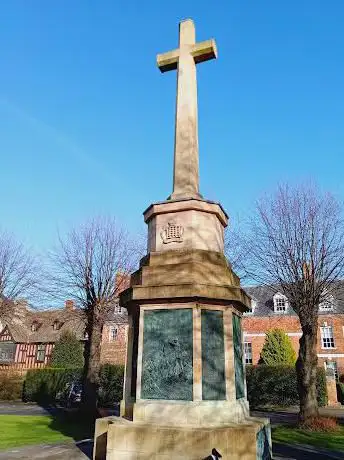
(253, 307)
(113, 333)
(327, 338)
(248, 352)
(57, 325)
(280, 303)
(40, 354)
(118, 308)
(332, 366)
(327, 303)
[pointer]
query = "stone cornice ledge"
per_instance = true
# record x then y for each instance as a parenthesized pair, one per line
(207, 292)
(186, 204)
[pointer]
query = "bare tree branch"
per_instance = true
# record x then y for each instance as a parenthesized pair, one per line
(296, 243)
(19, 274)
(289, 230)
(236, 250)
(91, 265)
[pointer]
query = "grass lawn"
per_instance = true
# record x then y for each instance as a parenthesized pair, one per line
(290, 435)
(21, 430)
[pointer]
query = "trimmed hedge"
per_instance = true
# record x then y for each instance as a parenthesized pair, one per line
(11, 385)
(340, 392)
(276, 386)
(42, 385)
(110, 384)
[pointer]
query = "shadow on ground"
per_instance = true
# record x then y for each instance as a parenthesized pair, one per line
(72, 423)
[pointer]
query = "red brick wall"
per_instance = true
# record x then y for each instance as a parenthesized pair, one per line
(290, 324)
(114, 351)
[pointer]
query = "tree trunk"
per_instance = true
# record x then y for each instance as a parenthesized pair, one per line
(91, 367)
(306, 371)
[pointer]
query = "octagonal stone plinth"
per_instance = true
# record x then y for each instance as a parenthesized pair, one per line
(250, 440)
(188, 223)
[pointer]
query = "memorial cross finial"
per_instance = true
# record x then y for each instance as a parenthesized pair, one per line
(184, 59)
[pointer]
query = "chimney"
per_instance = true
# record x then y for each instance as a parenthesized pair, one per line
(69, 305)
(22, 303)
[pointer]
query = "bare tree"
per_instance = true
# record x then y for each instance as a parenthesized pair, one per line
(91, 265)
(19, 274)
(236, 249)
(296, 242)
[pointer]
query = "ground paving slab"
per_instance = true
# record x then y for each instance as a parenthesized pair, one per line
(83, 451)
(67, 451)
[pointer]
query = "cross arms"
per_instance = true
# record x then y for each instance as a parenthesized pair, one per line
(201, 52)
(168, 61)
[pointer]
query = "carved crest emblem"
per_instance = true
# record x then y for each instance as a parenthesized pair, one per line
(172, 232)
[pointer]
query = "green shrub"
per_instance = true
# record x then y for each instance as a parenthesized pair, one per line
(67, 352)
(42, 385)
(276, 386)
(11, 385)
(340, 392)
(110, 384)
(277, 349)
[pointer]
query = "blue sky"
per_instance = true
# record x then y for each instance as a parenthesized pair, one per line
(86, 118)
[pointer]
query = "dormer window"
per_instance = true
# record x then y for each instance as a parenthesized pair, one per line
(34, 326)
(327, 303)
(280, 303)
(118, 308)
(57, 325)
(253, 307)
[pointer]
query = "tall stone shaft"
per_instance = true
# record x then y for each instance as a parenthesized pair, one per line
(184, 60)
(184, 394)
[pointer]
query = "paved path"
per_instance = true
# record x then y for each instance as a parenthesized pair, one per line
(66, 451)
(298, 452)
(289, 416)
(19, 408)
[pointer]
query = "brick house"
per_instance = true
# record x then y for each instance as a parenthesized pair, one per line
(114, 338)
(270, 309)
(28, 338)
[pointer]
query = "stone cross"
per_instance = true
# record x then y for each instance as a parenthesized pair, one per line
(184, 59)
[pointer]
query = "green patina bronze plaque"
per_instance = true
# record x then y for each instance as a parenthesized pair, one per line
(213, 356)
(238, 358)
(167, 371)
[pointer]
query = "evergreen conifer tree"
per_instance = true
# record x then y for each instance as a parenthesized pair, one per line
(68, 352)
(277, 349)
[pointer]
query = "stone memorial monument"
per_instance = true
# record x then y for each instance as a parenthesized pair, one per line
(184, 386)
